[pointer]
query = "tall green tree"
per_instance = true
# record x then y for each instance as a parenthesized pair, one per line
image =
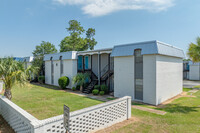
(12, 72)
(75, 41)
(39, 52)
(194, 50)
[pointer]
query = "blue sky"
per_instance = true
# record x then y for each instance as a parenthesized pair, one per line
(25, 23)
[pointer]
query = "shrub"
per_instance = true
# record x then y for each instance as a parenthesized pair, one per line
(101, 92)
(63, 82)
(41, 79)
(104, 88)
(77, 87)
(97, 87)
(74, 88)
(95, 92)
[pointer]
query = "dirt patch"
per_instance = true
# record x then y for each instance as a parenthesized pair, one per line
(4, 127)
(119, 125)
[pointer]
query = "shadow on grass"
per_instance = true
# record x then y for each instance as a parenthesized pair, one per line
(47, 86)
(177, 108)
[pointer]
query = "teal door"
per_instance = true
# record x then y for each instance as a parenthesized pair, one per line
(86, 62)
(80, 62)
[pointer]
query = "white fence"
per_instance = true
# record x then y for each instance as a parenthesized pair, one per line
(82, 121)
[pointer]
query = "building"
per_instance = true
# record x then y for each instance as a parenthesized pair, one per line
(28, 61)
(194, 71)
(150, 72)
(186, 69)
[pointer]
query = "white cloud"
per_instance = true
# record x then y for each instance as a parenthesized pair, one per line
(103, 7)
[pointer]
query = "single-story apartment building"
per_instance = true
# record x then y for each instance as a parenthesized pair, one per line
(150, 72)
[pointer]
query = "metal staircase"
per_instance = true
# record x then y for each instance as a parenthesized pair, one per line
(94, 81)
(105, 74)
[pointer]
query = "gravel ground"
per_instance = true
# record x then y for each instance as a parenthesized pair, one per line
(4, 127)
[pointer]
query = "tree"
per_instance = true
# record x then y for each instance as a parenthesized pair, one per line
(194, 50)
(75, 41)
(80, 79)
(12, 72)
(39, 52)
(44, 48)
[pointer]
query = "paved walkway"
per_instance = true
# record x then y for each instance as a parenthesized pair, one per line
(190, 84)
(149, 110)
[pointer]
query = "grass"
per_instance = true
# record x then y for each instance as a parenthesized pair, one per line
(43, 102)
(183, 115)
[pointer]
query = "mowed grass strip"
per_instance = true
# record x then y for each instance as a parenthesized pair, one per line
(183, 116)
(44, 103)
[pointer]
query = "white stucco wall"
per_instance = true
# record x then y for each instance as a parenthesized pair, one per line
(56, 64)
(194, 72)
(124, 76)
(162, 77)
(149, 79)
(70, 70)
(47, 72)
(169, 77)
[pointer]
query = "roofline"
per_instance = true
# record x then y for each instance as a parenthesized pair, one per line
(168, 45)
(60, 53)
(97, 50)
(154, 41)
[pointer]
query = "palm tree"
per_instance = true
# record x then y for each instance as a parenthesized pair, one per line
(12, 72)
(80, 79)
(194, 50)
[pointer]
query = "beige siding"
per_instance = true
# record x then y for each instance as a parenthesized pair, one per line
(95, 64)
(124, 76)
(169, 77)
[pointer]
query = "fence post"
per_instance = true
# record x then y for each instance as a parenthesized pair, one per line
(128, 107)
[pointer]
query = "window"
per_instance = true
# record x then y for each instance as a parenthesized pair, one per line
(138, 74)
(52, 71)
(61, 65)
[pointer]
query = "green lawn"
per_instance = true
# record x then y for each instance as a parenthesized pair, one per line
(183, 116)
(43, 103)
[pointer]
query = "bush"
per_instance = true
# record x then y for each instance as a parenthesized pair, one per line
(97, 87)
(95, 92)
(77, 87)
(63, 82)
(104, 88)
(74, 88)
(101, 92)
(41, 79)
